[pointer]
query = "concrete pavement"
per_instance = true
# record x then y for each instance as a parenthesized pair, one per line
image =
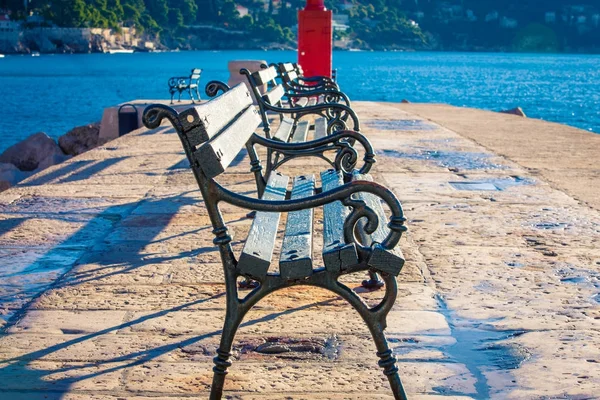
(112, 288)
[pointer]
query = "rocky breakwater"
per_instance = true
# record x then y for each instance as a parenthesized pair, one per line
(39, 151)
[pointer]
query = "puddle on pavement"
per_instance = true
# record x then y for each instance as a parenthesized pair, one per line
(29, 273)
(478, 347)
(498, 184)
(583, 278)
(448, 159)
(401, 125)
(551, 225)
(514, 264)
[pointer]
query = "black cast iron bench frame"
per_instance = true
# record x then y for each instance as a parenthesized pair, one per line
(293, 80)
(298, 68)
(331, 117)
(353, 211)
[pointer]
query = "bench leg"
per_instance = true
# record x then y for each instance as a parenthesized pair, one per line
(388, 362)
(222, 360)
(374, 281)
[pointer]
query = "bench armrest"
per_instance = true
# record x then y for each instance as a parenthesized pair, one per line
(330, 96)
(342, 193)
(346, 158)
(339, 113)
(316, 79)
(213, 88)
(177, 80)
(324, 85)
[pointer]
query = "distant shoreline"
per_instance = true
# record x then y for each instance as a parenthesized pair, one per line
(592, 52)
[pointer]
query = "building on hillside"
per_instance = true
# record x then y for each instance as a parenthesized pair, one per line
(243, 11)
(346, 5)
(10, 32)
(340, 22)
(35, 19)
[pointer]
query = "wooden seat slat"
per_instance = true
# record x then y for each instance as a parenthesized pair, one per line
(390, 261)
(274, 95)
(295, 260)
(320, 128)
(215, 155)
(302, 102)
(301, 132)
(284, 131)
(337, 255)
(199, 130)
(256, 256)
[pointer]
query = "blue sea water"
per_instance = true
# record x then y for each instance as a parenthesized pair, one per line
(54, 93)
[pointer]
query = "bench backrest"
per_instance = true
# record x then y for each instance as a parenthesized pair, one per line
(288, 72)
(266, 76)
(273, 96)
(213, 133)
(195, 74)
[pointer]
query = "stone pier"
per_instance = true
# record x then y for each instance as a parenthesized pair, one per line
(111, 288)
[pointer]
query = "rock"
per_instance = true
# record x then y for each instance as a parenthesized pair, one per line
(51, 160)
(28, 154)
(10, 175)
(80, 139)
(515, 111)
(404, 101)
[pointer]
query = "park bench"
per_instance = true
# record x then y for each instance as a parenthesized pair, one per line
(357, 235)
(293, 80)
(180, 84)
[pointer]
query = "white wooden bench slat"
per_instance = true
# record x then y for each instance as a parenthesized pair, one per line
(320, 128)
(215, 155)
(301, 132)
(274, 95)
(199, 130)
(295, 260)
(302, 102)
(337, 255)
(256, 256)
(264, 76)
(284, 131)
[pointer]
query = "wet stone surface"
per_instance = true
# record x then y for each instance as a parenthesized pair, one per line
(448, 159)
(401, 125)
(481, 348)
(496, 184)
